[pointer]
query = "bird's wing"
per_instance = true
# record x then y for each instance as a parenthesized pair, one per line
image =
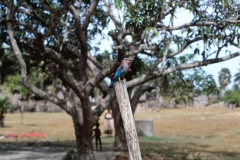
(119, 71)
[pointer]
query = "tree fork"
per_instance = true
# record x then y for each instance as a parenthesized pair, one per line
(128, 120)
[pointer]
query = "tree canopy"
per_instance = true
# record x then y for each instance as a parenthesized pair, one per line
(59, 38)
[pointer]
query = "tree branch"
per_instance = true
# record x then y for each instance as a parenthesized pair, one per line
(142, 89)
(105, 103)
(89, 14)
(198, 23)
(100, 75)
(117, 24)
(101, 85)
(96, 63)
(146, 78)
(24, 81)
(27, 26)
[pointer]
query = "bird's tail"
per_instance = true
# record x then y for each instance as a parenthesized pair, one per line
(112, 82)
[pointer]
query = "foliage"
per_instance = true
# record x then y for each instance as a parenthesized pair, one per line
(206, 85)
(186, 84)
(35, 77)
(232, 96)
(237, 77)
(138, 68)
(145, 17)
(224, 77)
(104, 58)
(8, 63)
(13, 83)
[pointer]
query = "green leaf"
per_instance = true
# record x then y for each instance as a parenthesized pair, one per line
(118, 4)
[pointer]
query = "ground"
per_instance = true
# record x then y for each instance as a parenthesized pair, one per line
(178, 134)
(17, 152)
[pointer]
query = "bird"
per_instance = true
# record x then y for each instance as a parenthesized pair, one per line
(121, 71)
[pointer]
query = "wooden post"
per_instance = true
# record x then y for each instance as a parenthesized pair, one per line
(128, 121)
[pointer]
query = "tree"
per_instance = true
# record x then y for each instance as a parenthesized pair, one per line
(60, 37)
(4, 104)
(184, 85)
(231, 97)
(224, 79)
(237, 77)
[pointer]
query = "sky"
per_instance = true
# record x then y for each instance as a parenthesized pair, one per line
(183, 16)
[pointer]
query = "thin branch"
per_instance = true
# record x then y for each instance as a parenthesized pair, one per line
(165, 55)
(66, 33)
(101, 85)
(104, 104)
(199, 23)
(27, 26)
(96, 63)
(89, 14)
(142, 89)
(116, 23)
(100, 75)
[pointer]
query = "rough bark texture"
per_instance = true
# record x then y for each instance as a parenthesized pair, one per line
(120, 143)
(142, 89)
(1, 120)
(128, 120)
(82, 116)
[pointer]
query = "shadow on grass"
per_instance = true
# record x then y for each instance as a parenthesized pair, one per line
(152, 148)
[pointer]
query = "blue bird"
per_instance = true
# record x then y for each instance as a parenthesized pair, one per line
(121, 71)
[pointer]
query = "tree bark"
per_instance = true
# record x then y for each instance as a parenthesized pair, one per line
(120, 143)
(142, 89)
(22, 111)
(2, 117)
(128, 120)
(83, 132)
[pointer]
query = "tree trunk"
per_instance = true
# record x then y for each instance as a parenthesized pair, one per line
(120, 143)
(83, 132)
(2, 117)
(128, 120)
(22, 111)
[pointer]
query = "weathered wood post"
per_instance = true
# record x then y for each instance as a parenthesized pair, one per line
(128, 120)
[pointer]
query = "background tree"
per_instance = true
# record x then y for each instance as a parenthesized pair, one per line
(184, 86)
(237, 78)
(232, 97)
(59, 38)
(224, 79)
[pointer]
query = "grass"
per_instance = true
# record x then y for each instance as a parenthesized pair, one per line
(178, 133)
